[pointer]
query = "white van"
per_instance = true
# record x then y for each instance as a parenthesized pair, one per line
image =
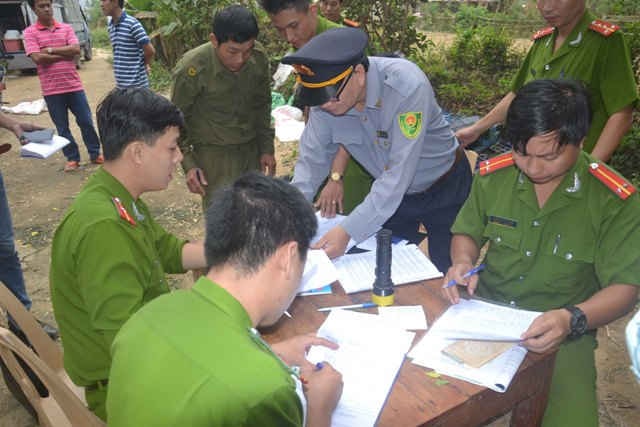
(16, 15)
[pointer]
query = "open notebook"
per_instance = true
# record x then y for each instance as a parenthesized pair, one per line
(42, 150)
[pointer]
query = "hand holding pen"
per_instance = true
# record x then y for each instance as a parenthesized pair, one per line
(460, 274)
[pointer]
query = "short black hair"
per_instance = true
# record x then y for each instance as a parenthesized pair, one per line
(121, 4)
(235, 23)
(548, 105)
(248, 220)
(32, 3)
(273, 7)
(134, 114)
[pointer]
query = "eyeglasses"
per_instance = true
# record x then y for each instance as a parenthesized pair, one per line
(336, 97)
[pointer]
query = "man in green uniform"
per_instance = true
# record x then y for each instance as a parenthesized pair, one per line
(222, 87)
(109, 256)
(579, 47)
(348, 184)
(563, 231)
(332, 10)
(221, 373)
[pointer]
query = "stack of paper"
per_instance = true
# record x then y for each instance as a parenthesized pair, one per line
(42, 150)
(408, 264)
(318, 272)
(473, 319)
(371, 353)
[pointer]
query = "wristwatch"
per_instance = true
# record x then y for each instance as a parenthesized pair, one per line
(335, 176)
(578, 322)
(49, 50)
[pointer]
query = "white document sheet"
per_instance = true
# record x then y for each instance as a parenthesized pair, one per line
(495, 374)
(42, 150)
(369, 357)
(481, 320)
(410, 317)
(319, 271)
(408, 264)
(326, 224)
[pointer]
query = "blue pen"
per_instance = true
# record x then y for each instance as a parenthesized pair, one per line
(341, 307)
(466, 275)
(319, 366)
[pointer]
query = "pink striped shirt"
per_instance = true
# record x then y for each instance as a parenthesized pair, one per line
(57, 77)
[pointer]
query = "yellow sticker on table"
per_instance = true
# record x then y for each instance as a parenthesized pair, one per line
(410, 124)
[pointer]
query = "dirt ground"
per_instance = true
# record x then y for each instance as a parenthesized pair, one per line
(39, 192)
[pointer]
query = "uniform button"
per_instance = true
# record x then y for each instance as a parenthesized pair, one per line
(364, 118)
(521, 278)
(386, 168)
(547, 67)
(512, 303)
(528, 253)
(498, 239)
(568, 256)
(535, 223)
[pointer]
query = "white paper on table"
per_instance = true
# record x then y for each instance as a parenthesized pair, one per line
(481, 320)
(369, 357)
(319, 271)
(409, 317)
(326, 224)
(495, 374)
(408, 264)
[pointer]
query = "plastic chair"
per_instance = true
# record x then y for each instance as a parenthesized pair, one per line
(62, 407)
(47, 349)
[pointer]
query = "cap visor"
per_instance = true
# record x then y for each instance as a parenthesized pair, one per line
(308, 97)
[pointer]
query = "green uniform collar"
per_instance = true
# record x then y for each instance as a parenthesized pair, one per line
(218, 296)
(571, 187)
(116, 189)
(576, 37)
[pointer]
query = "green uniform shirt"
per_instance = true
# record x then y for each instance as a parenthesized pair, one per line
(584, 238)
(191, 358)
(103, 269)
(602, 63)
(223, 108)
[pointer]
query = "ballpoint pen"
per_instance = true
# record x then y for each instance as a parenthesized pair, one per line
(466, 275)
(340, 307)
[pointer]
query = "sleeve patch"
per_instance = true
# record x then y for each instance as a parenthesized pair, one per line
(410, 124)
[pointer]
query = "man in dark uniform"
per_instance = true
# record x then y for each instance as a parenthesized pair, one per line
(348, 182)
(384, 113)
(563, 231)
(579, 47)
(222, 87)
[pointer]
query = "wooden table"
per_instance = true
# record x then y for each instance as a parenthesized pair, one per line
(415, 399)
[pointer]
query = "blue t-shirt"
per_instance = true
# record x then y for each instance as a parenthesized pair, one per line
(127, 39)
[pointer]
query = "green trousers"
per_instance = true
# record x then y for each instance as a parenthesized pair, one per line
(357, 184)
(222, 164)
(97, 402)
(572, 398)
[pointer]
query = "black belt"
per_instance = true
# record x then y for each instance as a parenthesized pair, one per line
(98, 385)
(459, 156)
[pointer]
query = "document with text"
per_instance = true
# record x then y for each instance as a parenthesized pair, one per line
(371, 353)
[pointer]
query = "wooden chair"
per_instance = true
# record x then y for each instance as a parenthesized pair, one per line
(48, 350)
(62, 407)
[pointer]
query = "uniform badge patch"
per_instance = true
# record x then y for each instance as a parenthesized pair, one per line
(410, 124)
(191, 71)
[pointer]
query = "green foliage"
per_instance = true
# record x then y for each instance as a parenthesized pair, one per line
(391, 25)
(160, 77)
(485, 49)
(626, 158)
(100, 37)
(469, 17)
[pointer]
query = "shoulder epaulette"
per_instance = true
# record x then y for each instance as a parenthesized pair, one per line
(122, 211)
(603, 27)
(350, 23)
(542, 33)
(496, 163)
(620, 186)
